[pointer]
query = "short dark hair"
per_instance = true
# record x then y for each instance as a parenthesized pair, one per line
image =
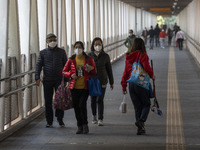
(79, 42)
(96, 39)
(50, 35)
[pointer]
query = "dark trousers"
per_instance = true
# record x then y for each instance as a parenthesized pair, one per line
(169, 40)
(151, 40)
(98, 100)
(180, 43)
(141, 101)
(79, 98)
(157, 40)
(49, 87)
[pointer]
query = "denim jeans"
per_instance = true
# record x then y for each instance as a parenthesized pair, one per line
(98, 101)
(140, 100)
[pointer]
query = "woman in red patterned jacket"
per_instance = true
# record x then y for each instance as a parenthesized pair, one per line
(139, 95)
(78, 69)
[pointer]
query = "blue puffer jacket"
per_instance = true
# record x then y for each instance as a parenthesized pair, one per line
(52, 61)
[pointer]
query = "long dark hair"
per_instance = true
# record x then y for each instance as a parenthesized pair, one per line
(96, 39)
(138, 44)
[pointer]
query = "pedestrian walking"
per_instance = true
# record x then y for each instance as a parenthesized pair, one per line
(145, 34)
(151, 37)
(104, 72)
(180, 38)
(139, 95)
(157, 32)
(51, 60)
(129, 40)
(162, 37)
(78, 69)
(170, 35)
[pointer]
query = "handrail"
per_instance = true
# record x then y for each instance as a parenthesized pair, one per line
(16, 90)
(193, 42)
(113, 43)
(17, 75)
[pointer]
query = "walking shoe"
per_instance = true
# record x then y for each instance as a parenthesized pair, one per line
(94, 120)
(100, 122)
(80, 130)
(61, 123)
(49, 125)
(85, 129)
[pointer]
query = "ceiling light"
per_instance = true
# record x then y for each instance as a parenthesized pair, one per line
(173, 6)
(178, 7)
(175, 3)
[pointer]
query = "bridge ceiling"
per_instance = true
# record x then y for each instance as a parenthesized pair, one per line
(160, 7)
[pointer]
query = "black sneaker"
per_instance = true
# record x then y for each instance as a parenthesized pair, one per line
(61, 123)
(85, 129)
(80, 130)
(49, 125)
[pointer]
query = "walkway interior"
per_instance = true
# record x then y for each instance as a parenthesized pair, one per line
(119, 132)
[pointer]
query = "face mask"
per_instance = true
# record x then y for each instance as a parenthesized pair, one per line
(78, 51)
(52, 44)
(130, 34)
(97, 48)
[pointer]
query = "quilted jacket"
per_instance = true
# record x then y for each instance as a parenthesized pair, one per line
(52, 62)
(70, 68)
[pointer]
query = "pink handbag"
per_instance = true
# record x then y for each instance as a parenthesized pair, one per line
(63, 98)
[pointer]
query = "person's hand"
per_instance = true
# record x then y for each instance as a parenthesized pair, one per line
(74, 76)
(38, 82)
(112, 87)
(89, 68)
(124, 91)
(153, 78)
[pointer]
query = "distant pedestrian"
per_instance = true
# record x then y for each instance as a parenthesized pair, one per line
(129, 40)
(151, 37)
(157, 32)
(139, 95)
(104, 72)
(162, 37)
(52, 61)
(78, 69)
(145, 34)
(170, 35)
(180, 38)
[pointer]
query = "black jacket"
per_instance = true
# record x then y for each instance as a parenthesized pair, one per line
(151, 33)
(52, 61)
(104, 68)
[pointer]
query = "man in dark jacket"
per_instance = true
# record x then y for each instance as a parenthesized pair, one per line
(52, 61)
(157, 32)
(151, 36)
(129, 40)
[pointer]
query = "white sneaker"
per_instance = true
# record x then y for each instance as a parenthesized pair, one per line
(100, 122)
(94, 120)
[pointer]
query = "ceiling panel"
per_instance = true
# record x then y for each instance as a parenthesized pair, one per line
(147, 4)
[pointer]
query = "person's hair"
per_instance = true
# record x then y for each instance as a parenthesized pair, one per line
(131, 30)
(79, 42)
(138, 44)
(50, 35)
(96, 39)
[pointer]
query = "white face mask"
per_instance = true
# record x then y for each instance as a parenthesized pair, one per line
(130, 34)
(52, 44)
(98, 48)
(78, 51)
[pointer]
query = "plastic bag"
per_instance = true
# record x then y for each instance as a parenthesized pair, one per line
(123, 106)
